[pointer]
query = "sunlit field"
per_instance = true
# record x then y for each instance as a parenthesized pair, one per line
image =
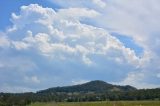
(109, 103)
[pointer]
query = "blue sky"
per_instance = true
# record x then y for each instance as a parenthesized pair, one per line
(8, 6)
(48, 43)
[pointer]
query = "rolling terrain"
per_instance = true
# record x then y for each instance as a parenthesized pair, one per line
(88, 92)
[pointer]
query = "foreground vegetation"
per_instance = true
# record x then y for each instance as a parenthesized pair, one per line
(107, 103)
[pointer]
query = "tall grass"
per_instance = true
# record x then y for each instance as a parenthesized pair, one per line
(106, 103)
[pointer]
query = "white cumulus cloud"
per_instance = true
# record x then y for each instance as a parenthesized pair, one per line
(62, 46)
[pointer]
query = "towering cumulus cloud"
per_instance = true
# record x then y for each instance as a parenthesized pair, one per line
(46, 47)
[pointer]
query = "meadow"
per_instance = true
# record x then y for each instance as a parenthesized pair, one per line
(106, 103)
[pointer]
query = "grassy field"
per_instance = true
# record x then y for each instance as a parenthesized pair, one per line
(109, 103)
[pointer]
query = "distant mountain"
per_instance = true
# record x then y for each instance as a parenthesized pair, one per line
(90, 91)
(96, 86)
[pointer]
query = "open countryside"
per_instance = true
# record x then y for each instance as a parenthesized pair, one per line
(93, 93)
(80, 53)
(106, 103)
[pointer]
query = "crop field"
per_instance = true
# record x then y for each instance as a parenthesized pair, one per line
(106, 103)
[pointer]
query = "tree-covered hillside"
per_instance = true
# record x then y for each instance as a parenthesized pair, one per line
(91, 91)
(93, 86)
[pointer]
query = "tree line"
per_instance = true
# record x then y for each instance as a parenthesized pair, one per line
(91, 91)
(23, 99)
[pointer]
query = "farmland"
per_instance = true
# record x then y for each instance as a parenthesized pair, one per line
(105, 103)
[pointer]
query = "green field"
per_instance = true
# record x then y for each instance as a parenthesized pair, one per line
(109, 103)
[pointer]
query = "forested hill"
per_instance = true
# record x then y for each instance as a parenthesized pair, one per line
(96, 86)
(90, 91)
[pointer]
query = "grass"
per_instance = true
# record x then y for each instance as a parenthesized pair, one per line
(106, 103)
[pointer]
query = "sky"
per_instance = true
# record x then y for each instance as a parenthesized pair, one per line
(50, 43)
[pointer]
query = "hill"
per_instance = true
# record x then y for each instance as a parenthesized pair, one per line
(96, 86)
(90, 91)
